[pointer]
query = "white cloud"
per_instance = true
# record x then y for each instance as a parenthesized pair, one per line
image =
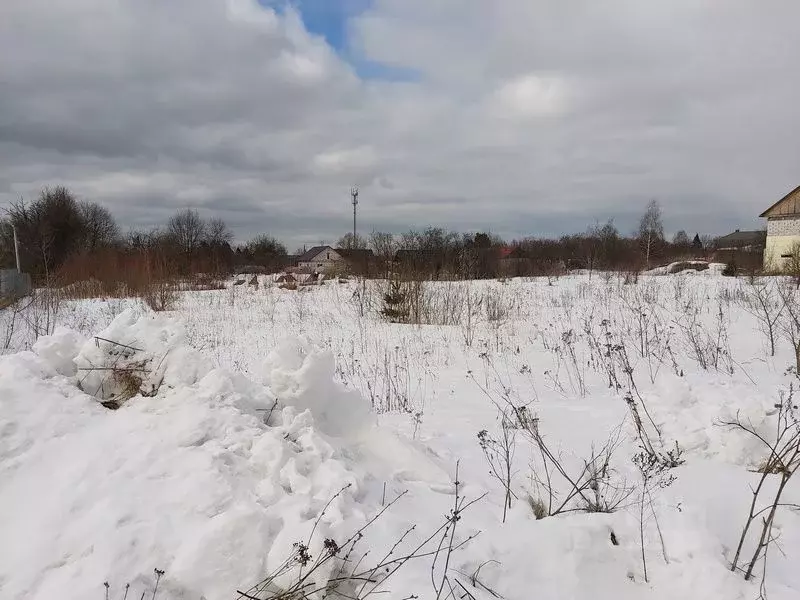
(530, 96)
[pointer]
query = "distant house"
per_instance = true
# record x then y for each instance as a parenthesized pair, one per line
(783, 231)
(319, 259)
(744, 249)
(358, 260)
(325, 259)
(743, 241)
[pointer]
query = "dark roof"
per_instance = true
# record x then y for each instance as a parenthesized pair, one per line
(311, 253)
(352, 255)
(742, 238)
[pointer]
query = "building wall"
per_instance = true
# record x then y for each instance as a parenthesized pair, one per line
(783, 236)
(322, 265)
(13, 284)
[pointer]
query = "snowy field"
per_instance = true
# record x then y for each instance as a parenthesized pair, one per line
(261, 429)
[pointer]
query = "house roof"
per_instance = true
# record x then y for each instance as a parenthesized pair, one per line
(311, 253)
(788, 205)
(742, 238)
(355, 254)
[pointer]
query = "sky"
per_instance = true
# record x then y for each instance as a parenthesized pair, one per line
(520, 117)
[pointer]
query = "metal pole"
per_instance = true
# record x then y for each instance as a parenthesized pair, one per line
(16, 248)
(354, 194)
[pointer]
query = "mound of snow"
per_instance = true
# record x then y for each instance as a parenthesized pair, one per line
(301, 376)
(192, 480)
(688, 267)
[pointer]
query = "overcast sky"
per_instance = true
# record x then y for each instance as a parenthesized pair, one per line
(522, 117)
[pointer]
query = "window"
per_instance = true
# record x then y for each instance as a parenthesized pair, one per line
(787, 256)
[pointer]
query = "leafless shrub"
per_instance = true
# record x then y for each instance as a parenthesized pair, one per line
(782, 461)
(473, 300)
(394, 378)
(159, 573)
(790, 323)
(654, 476)
(710, 348)
(363, 297)
(764, 302)
(575, 367)
(496, 306)
(10, 314)
(631, 276)
(340, 568)
(160, 296)
(499, 454)
(41, 312)
(594, 487)
(300, 305)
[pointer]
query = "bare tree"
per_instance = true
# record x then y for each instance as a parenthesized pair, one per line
(348, 242)
(680, 238)
(100, 228)
(384, 245)
(651, 229)
(188, 229)
(217, 232)
(265, 251)
(49, 229)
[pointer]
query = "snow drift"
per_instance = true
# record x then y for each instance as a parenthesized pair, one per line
(206, 478)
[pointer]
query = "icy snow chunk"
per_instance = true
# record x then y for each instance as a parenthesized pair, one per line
(303, 376)
(60, 349)
(138, 354)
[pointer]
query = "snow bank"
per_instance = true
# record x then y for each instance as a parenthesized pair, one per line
(301, 376)
(688, 267)
(192, 480)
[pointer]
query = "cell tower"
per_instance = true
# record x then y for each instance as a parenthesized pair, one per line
(354, 194)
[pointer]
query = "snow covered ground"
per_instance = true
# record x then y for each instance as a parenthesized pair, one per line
(253, 420)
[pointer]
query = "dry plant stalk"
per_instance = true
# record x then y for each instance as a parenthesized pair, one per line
(349, 577)
(783, 460)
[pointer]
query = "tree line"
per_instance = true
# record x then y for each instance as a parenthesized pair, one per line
(61, 236)
(438, 253)
(57, 232)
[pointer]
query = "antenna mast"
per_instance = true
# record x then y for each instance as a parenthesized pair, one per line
(354, 194)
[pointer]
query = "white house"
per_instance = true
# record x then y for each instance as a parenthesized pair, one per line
(319, 259)
(327, 260)
(783, 231)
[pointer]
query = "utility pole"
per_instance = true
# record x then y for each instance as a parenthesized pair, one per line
(16, 248)
(354, 194)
